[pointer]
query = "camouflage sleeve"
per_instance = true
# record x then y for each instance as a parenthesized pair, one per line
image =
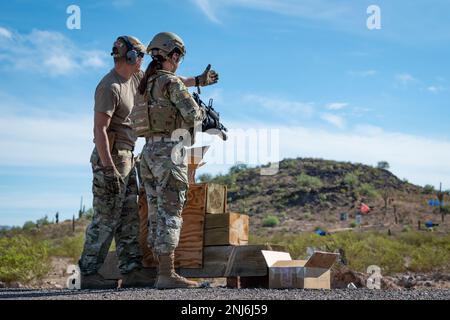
(180, 96)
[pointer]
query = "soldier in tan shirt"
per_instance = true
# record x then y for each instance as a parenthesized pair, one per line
(114, 177)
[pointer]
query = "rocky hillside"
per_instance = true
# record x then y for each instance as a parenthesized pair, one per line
(308, 193)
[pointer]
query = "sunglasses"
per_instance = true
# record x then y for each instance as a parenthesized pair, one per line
(141, 54)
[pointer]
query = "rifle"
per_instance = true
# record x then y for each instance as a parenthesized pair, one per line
(212, 120)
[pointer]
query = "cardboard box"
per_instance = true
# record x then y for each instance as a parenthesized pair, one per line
(313, 273)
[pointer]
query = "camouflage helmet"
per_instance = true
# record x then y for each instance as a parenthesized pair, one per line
(164, 43)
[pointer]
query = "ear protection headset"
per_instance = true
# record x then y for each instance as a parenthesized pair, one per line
(131, 55)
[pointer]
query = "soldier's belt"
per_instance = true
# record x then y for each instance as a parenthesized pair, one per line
(123, 146)
(154, 139)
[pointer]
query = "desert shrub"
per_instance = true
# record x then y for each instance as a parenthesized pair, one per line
(308, 215)
(428, 189)
(322, 197)
(238, 168)
(368, 190)
(43, 221)
(70, 247)
(205, 177)
(23, 259)
(351, 179)
(29, 225)
(383, 165)
(309, 183)
(270, 221)
(445, 209)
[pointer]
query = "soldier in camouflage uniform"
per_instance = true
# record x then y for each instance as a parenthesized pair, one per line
(163, 166)
(114, 183)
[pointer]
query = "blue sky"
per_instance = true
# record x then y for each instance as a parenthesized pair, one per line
(311, 70)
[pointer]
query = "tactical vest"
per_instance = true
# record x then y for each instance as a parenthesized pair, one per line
(152, 117)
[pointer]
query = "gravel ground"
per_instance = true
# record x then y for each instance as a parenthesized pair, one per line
(225, 294)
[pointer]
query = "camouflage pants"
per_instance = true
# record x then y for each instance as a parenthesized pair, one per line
(166, 185)
(115, 215)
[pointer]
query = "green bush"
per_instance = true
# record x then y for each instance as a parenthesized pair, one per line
(289, 164)
(445, 209)
(70, 247)
(383, 165)
(89, 214)
(270, 221)
(238, 168)
(205, 177)
(29, 225)
(308, 215)
(351, 179)
(428, 189)
(227, 179)
(23, 259)
(43, 221)
(366, 189)
(309, 183)
(353, 225)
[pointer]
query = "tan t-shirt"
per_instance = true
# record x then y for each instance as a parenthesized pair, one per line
(114, 96)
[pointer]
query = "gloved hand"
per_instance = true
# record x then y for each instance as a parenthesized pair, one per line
(207, 78)
(113, 179)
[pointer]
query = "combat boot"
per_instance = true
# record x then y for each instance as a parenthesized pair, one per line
(96, 281)
(136, 278)
(168, 278)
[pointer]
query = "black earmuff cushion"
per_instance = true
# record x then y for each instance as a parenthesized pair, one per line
(131, 55)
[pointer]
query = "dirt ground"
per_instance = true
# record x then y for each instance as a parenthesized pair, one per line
(57, 277)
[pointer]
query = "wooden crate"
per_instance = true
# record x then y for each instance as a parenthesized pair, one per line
(226, 229)
(219, 262)
(216, 198)
(189, 253)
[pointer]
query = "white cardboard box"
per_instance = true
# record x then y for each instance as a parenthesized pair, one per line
(313, 273)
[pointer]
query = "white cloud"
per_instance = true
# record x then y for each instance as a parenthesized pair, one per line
(48, 53)
(280, 105)
(405, 79)
(95, 59)
(311, 9)
(5, 33)
(333, 119)
(60, 65)
(363, 73)
(336, 105)
(207, 9)
(435, 89)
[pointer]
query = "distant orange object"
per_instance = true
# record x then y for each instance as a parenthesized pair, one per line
(364, 208)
